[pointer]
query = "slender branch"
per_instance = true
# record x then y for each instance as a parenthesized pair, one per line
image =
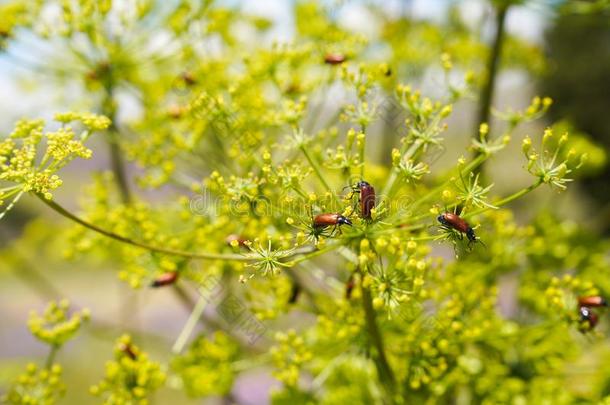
(313, 254)
(116, 157)
(316, 169)
(118, 167)
(487, 91)
(361, 153)
(390, 186)
(51, 356)
(173, 252)
(509, 198)
(386, 375)
(190, 324)
(497, 204)
(469, 168)
(184, 298)
(202, 255)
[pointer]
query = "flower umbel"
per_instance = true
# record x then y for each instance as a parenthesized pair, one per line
(544, 165)
(268, 260)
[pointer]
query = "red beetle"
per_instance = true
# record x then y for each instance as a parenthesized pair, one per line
(334, 59)
(367, 198)
(454, 221)
(165, 279)
(325, 220)
(592, 301)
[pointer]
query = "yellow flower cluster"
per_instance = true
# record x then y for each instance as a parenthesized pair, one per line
(130, 377)
(289, 355)
(36, 387)
(54, 326)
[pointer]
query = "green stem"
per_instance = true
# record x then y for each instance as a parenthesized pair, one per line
(497, 204)
(51, 356)
(116, 157)
(118, 168)
(386, 375)
(361, 153)
(313, 254)
(471, 166)
(202, 255)
(190, 324)
(390, 187)
(317, 170)
(493, 62)
(508, 199)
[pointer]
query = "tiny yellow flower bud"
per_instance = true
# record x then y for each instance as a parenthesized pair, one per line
(447, 196)
(378, 303)
(526, 145)
(395, 157)
(446, 111)
(364, 245)
(483, 129)
(367, 281)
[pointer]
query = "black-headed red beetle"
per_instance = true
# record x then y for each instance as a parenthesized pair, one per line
(454, 221)
(165, 279)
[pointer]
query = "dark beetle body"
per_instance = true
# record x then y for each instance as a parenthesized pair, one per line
(367, 198)
(165, 279)
(324, 220)
(128, 350)
(455, 222)
(592, 301)
(587, 315)
(334, 59)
